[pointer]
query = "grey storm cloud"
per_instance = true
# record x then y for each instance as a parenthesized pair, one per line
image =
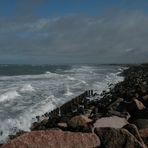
(115, 38)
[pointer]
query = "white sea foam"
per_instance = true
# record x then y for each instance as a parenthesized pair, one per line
(47, 72)
(71, 78)
(46, 105)
(24, 120)
(51, 74)
(26, 88)
(112, 78)
(10, 95)
(68, 92)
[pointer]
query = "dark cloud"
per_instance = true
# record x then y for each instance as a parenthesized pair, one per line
(115, 38)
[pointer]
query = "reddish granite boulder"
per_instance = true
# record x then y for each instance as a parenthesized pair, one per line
(117, 138)
(114, 121)
(54, 139)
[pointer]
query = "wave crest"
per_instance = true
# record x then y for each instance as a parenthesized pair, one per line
(26, 88)
(10, 95)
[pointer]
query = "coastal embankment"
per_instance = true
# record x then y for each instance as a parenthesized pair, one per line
(116, 119)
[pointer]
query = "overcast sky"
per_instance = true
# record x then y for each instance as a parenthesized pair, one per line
(73, 31)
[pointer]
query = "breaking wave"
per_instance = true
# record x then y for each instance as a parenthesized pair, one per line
(26, 88)
(23, 97)
(10, 95)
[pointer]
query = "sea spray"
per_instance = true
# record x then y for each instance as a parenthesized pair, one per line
(23, 97)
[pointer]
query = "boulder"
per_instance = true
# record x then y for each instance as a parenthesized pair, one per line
(62, 126)
(134, 131)
(114, 121)
(117, 138)
(54, 139)
(141, 123)
(39, 125)
(78, 121)
(145, 97)
(65, 119)
(139, 104)
(134, 107)
(88, 112)
(145, 100)
(115, 104)
(139, 114)
(127, 106)
(125, 115)
(144, 135)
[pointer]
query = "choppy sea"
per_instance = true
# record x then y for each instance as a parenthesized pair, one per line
(27, 91)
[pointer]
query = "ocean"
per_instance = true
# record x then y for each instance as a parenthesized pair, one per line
(27, 91)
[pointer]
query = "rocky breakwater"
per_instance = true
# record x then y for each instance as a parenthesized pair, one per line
(119, 119)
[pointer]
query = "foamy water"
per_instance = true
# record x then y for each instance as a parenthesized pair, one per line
(23, 97)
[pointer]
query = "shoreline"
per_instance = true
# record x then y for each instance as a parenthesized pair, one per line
(71, 108)
(126, 101)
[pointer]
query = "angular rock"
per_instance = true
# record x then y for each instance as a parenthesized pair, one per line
(139, 114)
(144, 135)
(125, 115)
(39, 125)
(139, 104)
(88, 112)
(115, 104)
(141, 123)
(62, 126)
(114, 121)
(77, 121)
(117, 138)
(134, 131)
(145, 97)
(145, 100)
(144, 132)
(54, 139)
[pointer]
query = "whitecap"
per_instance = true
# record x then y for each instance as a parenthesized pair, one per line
(71, 78)
(68, 92)
(47, 72)
(112, 78)
(26, 88)
(10, 95)
(24, 120)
